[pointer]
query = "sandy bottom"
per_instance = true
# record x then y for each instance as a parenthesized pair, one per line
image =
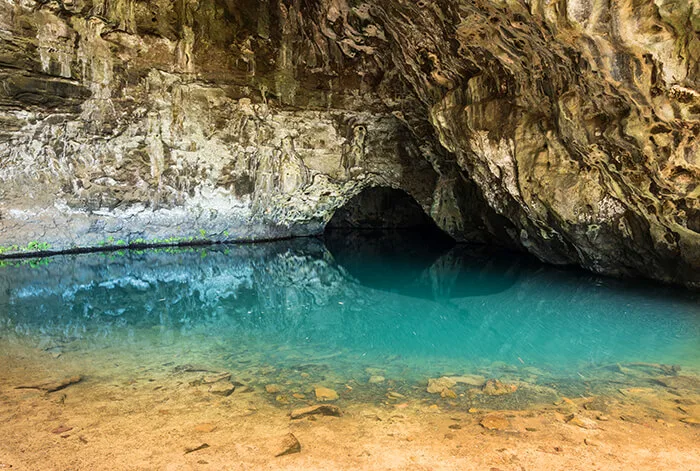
(147, 418)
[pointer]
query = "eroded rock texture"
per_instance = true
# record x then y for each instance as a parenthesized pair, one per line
(568, 127)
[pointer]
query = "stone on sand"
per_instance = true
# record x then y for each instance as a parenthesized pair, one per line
(288, 445)
(495, 422)
(204, 428)
(323, 409)
(222, 388)
(582, 422)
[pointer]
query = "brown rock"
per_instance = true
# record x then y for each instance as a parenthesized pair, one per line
(196, 448)
(61, 429)
(494, 387)
(53, 385)
(323, 409)
(437, 385)
(204, 428)
(289, 445)
(582, 422)
(680, 382)
(222, 388)
(495, 422)
(272, 388)
(325, 394)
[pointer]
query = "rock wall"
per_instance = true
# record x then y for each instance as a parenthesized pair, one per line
(163, 122)
(568, 128)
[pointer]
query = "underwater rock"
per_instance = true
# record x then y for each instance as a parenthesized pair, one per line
(680, 382)
(325, 394)
(494, 387)
(469, 380)
(495, 422)
(376, 379)
(600, 404)
(272, 388)
(582, 422)
(203, 446)
(288, 445)
(438, 385)
(53, 385)
(323, 409)
(222, 388)
(205, 428)
(216, 378)
(61, 429)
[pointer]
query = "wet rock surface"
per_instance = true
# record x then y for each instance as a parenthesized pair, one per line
(567, 129)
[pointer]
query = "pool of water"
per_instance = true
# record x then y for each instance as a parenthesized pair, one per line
(301, 314)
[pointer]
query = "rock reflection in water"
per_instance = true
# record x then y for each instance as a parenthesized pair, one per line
(422, 263)
(457, 311)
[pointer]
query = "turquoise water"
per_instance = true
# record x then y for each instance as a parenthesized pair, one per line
(268, 312)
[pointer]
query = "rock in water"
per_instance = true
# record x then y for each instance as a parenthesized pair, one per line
(495, 422)
(54, 385)
(205, 428)
(438, 385)
(582, 422)
(324, 409)
(325, 394)
(289, 445)
(222, 388)
(494, 387)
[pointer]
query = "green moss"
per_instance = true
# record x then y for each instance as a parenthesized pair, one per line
(33, 246)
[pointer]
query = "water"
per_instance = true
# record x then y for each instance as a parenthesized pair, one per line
(301, 314)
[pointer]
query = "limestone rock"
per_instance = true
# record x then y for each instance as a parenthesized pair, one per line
(288, 445)
(494, 387)
(438, 385)
(582, 422)
(222, 388)
(323, 409)
(495, 422)
(325, 394)
(205, 428)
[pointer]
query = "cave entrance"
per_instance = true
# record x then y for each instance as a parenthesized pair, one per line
(382, 236)
(383, 208)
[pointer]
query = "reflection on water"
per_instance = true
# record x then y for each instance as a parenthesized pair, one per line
(421, 264)
(285, 305)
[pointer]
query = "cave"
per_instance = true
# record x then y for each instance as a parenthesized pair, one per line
(384, 230)
(382, 208)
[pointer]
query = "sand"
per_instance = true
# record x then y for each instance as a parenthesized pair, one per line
(150, 419)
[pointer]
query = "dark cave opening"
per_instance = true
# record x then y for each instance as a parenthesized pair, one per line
(384, 230)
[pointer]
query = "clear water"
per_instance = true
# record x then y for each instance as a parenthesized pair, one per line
(268, 312)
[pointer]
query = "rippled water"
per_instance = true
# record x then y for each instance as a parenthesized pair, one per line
(366, 307)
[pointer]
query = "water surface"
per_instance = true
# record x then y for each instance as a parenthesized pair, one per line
(298, 314)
